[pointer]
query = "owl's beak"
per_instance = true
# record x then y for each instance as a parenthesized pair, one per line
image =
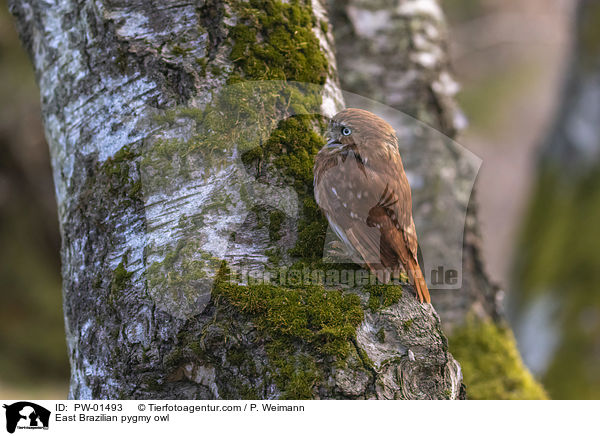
(332, 143)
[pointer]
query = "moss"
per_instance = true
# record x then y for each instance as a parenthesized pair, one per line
(324, 26)
(274, 41)
(118, 171)
(244, 384)
(202, 62)
(220, 203)
(216, 70)
(237, 356)
(117, 165)
(145, 357)
(364, 357)
(121, 278)
(380, 335)
(303, 325)
(120, 281)
(290, 149)
(274, 256)
(196, 348)
(311, 238)
(180, 51)
(491, 364)
(294, 144)
(135, 190)
(181, 269)
(381, 296)
(296, 374)
(233, 119)
(187, 349)
(318, 272)
(252, 155)
(275, 220)
(176, 357)
(559, 259)
(406, 325)
(151, 384)
(326, 320)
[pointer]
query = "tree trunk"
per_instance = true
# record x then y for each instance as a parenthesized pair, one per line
(183, 170)
(396, 52)
(555, 306)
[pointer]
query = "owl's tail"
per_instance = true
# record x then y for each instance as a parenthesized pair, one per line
(416, 278)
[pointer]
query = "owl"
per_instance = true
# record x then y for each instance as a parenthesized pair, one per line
(361, 187)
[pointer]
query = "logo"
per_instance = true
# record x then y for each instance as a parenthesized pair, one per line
(26, 415)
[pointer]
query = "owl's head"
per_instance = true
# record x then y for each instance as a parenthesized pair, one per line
(361, 128)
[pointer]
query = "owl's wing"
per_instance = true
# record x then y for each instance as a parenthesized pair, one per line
(369, 207)
(342, 192)
(392, 212)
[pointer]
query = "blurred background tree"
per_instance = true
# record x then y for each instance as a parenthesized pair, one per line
(556, 300)
(32, 338)
(404, 63)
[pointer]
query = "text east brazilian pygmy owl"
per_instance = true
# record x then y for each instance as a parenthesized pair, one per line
(361, 187)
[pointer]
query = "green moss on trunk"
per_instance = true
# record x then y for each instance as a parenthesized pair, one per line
(120, 281)
(381, 296)
(558, 259)
(274, 40)
(304, 327)
(491, 365)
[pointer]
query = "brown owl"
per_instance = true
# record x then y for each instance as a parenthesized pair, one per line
(361, 187)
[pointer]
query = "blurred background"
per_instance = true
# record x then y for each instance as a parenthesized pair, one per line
(519, 64)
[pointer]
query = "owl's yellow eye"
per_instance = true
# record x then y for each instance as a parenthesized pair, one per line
(346, 131)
